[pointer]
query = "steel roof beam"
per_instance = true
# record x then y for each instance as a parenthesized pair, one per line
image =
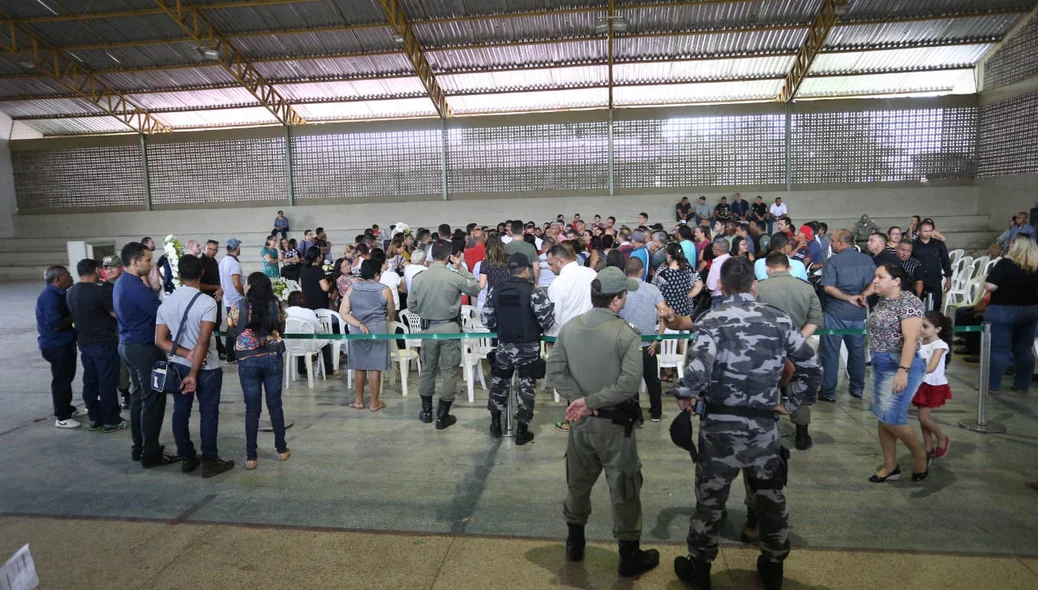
(58, 18)
(83, 83)
(493, 91)
(401, 26)
(440, 48)
(812, 45)
(198, 26)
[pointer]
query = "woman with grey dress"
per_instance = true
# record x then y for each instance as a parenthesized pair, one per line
(366, 305)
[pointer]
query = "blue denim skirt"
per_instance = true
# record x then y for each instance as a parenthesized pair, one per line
(889, 407)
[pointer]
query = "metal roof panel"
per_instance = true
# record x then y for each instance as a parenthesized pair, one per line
(693, 93)
(219, 118)
(50, 106)
(195, 98)
(530, 101)
(921, 58)
(680, 71)
(525, 79)
(79, 126)
(916, 31)
(361, 88)
(317, 68)
(945, 82)
(497, 57)
(376, 109)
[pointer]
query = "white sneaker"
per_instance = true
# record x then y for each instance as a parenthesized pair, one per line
(76, 412)
(70, 423)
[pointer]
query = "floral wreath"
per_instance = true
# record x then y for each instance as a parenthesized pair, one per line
(401, 228)
(173, 250)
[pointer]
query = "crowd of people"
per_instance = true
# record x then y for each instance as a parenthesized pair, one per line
(748, 299)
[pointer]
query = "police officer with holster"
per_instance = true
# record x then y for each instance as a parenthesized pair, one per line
(735, 365)
(436, 298)
(597, 365)
(519, 312)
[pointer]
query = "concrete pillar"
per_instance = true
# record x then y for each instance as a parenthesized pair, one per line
(8, 205)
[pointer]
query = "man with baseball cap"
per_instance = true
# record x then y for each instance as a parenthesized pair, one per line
(597, 365)
(111, 270)
(519, 312)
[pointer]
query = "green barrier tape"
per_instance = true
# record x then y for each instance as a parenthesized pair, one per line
(862, 332)
(460, 336)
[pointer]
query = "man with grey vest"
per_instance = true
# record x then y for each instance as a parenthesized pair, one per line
(519, 312)
(597, 365)
(436, 298)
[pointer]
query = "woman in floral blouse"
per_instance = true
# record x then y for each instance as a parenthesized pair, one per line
(897, 369)
(259, 350)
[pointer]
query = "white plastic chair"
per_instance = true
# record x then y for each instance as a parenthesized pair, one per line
(326, 315)
(403, 356)
(414, 324)
(671, 358)
(990, 265)
(308, 349)
(472, 363)
(955, 255)
(960, 288)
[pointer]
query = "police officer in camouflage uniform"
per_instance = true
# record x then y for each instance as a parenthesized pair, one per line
(519, 312)
(597, 365)
(436, 298)
(735, 365)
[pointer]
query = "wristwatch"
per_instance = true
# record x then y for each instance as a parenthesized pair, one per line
(905, 369)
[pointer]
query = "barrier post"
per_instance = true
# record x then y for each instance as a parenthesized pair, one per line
(981, 424)
(512, 392)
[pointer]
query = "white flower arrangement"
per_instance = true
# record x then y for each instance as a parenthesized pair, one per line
(173, 250)
(328, 268)
(281, 289)
(401, 228)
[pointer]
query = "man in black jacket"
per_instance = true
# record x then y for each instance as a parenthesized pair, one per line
(933, 253)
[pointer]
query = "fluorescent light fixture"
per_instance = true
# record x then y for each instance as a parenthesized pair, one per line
(620, 25)
(841, 7)
(210, 53)
(399, 38)
(27, 64)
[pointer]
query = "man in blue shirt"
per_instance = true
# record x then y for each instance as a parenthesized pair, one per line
(57, 342)
(780, 242)
(1021, 227)
(638, 240)
(135, 308)
(847, 275)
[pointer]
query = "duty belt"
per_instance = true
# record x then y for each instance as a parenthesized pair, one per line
(742, 411)
(426, 323)
(625, 416)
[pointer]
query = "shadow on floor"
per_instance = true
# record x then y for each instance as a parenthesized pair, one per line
(751, 579)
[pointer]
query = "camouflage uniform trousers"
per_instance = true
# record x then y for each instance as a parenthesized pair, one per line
(508, 358)
(724, 451)
(801, 417)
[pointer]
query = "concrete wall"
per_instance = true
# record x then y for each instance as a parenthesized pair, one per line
(1003, 196)
(830, 205)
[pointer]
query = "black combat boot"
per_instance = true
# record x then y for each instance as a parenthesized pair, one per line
(750, 531)
(770, 573)
(426, 415)
(696, 573)
(575, 542)
(495, 424)
(803, 439)
(523, 434)
(634, 561)
(443, 415)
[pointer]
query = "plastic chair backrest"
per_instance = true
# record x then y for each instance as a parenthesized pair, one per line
(326, 315)
(292, 285)
(297, 325)
(413, 321)
(990, 265)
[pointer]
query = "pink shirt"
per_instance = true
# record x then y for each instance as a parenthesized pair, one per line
(713, 280)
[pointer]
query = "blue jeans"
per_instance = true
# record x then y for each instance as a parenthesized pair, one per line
(258, 373)
(209, 386)
(889, 407)
(100, 379)
(829, 351)
(1012, 339)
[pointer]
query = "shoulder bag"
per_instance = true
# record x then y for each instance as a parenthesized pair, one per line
(164, 378)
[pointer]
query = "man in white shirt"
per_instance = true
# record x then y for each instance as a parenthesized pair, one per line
(232, 282)
(392, 280)
(777, 210)
(547, 276)
(414, 267)
(194, 360)
(571, 289)
(713, 280)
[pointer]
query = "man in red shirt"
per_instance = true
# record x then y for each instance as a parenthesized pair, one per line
(477, 249)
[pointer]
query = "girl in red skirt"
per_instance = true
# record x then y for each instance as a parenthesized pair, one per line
(934, 390)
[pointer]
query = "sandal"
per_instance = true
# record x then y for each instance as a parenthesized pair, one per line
(357, 406)
(378, 407)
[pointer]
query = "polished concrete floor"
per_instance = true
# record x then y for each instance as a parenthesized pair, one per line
(382, 501)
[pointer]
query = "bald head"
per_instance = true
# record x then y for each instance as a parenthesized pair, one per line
(842, 239)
